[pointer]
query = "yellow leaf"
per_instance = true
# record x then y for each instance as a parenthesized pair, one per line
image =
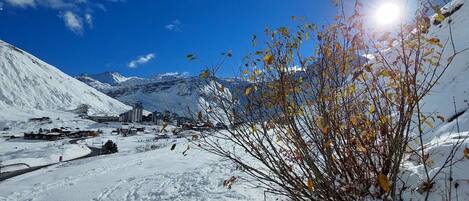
(252, 78)
(439, 17)
(383, 182)
(253, 127)
(384, 73)
(372, 109)
(361, 148)
(434, 41)
(310, 184)
(352, 89)
(247, 91)
(466, 153)
(383, 119)
(368, 67)
(257, 72)
(354, 120)
(163, 127)
(222, 88)
(268, 59)
(246, 71)
(429, 124)
(204, 74)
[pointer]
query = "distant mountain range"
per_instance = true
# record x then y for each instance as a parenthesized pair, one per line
(174, 92)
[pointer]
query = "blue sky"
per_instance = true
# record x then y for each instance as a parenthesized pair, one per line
(146, 37)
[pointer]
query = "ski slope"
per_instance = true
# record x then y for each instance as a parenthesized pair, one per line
(30, 87)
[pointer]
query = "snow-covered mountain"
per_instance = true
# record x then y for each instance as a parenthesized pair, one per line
(175, 92)
(108, 77)
(30, 85)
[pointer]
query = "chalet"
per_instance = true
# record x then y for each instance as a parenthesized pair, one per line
(43, 136)
(102, 119)
(180, 121)
(82, 134)
(134, 115)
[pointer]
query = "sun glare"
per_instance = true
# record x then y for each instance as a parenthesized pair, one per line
(387, 13)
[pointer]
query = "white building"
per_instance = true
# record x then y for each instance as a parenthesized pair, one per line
(134, 115)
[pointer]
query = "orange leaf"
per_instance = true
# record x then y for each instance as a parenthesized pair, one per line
(434, 41)
(466, 153)
(325, 130)
(310, 184)
(383, 182)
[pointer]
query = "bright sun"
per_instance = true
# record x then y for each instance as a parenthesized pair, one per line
(387, 13)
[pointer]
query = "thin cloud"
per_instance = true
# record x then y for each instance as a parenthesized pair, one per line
(175, 25)
(141, 60)
(22, 3)
(73, 22)
(74, 13)
(89, 20)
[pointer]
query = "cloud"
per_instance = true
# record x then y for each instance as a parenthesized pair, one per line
(22, 3)
(141, 60)
(175, 25)
(73, 12)
(73, 22)
(89, 20)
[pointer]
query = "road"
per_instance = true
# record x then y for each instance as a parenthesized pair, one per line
(6, 175)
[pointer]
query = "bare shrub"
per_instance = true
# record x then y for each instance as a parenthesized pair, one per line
(328, 123)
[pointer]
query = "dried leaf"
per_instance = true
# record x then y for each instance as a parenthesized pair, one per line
(466, 153)
(354, 120)
(325, 130)
(434, 41)
(222, 88)
(257, 72)
(190, 57)
(247, 91)
(383, 182)
(310, 184)
(204, 74)
(268, 59)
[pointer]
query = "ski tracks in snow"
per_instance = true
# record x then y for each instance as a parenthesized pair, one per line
(199, 184)
(125, 182)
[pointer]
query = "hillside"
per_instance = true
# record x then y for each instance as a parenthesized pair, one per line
(31, 86)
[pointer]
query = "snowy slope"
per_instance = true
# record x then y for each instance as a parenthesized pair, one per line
(439, 141)
(454, 82)
(29, 85)
(160, 174)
